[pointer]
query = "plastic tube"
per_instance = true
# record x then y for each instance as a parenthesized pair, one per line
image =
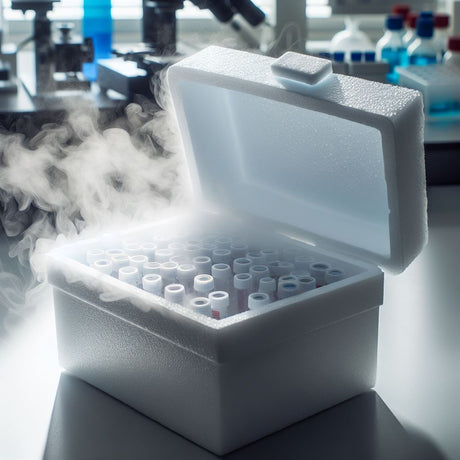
(238, 249)
(222, 274)
(223, 242)
(258, 300)
(267, 285)
(203, 285)
(163, 255)
(151, 267)
(148, 249)
(220, 302)
(129, 275)
(307, 283)
(138, 261)
(168, 272)
(255, 257)
(176, 247)
(318, 271)
(270, 255)
(94, 254)
(132, 249)
(119, 261)
(152, 283)
(104, 266)
(201, 305)
(258, 272)
(334, 275)
(242, 283)
(303, 262)
(185, 274)
(287, 289)
(241, 265)
(222, 256)
(282, 268)
(175, 293)
(114, 252)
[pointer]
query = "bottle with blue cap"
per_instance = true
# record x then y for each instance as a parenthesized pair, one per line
(390, 48)
(423, 50)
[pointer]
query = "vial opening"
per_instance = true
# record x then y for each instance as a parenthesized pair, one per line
(220, 266)
(242, 260)
(199, 303)
(289, 286)
(254, 253)
(305, 280)
(102, 263)
(320, 266)
(243, 276)
(174, 287)
(258, 297)
(217, 295)
(128, 270)
(259, 268)
(152, 277)
(204, 277)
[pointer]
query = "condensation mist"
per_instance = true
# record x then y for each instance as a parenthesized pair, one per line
(76, 178)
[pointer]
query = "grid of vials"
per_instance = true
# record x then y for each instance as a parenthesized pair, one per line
(217, 276)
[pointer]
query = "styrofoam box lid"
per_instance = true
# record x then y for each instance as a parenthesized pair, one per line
(337, 159)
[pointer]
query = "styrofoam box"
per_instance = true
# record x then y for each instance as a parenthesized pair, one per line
(290, 154)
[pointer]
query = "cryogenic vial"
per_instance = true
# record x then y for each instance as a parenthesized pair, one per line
(423, 51)
(411, 33)
(191, 251)
(138, 261)
(242, 283)
(289, 277)
(300, 273)
(94, 254)
(179, 259)
(132, 249)
(390, 48)
(201, 305)
(441, 32)
(222, 274)
(162, 241)
(207, 248)
(118, 261)
(267, 285)
(306, 283)
(303, 262)
(281, 268)
(318, 271)
(238, 249)
(287, 288)
(203, 264)
(104, 266)
(176, 247)
(334, 275)
(175, 293)
(258, 300)
(220, 302)
(258, 272)
(163, 255)
(223, 242)
(255, 257)
(270, 255)
(151, 267)
(152, 283)
(452, 56)
(185, 275)
(148, 249)
(168, 272)
(222, 256)
(114, 252)
(129, 275)
(241, 265)
(203, 285)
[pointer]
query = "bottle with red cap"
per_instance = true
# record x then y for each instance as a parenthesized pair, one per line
(441, 33)
(452, 56)
(411, 25)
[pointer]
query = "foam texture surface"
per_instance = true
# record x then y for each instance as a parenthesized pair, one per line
(342, 161)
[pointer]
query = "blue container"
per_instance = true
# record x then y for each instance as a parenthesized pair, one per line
(97, 24)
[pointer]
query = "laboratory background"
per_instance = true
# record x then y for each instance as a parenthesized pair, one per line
(229, 229)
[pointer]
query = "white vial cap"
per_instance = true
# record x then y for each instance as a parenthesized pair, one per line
(303, 262)
(186, 272)
(221, 271)
(133, 249)
(300, 273)
(152, 283)
(103, 266)
(267, 285)
(138, 261)
(220, 301)
(282, 268)
(270, 255)
(318, 271)
(175, 293)
(115, 252)
(207, 248)
(241, 265)
(163, 255)
(129, 275)
(221, 256)
(238, 249)
(333, 275)
(259, 271)
(192, 250)
(203, 264)
(168, 271)
(242, 281)
(307, 283)
(255, 257)
(201, 305)
(258, 300)
(223, 242)
(179, 259)
(287, 289)
(176, 247)
(148, 249)
(151, 267)
(203, 283)
(94, 254)
(119, 261)
(287, 278)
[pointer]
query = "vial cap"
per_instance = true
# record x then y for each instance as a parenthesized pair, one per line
(152, 283)
(221, 256)
(426, 14)
(203, 283)
(411, 20)
(334, 275)
(223, 242)
(441, 21)
(201, 305)
(270, 254)
(241, 265)
(219, 299)
(163, 255)
(425, 27)
(133, 248)
(151, 267)
(186, 272)
(339, 56)
(203, 263)
(267, 285)
(356, 56)
(138, 261)
(369, 56)
(114, 252)
(103, 266)
(454, 43)
(394, 22)
(128, 274)
(94, 254)
(119, 261)
(175, 293)
(257, 300)
(168, 270)
(221, 271)
(307, 283)
(242, 281)
(259, 270)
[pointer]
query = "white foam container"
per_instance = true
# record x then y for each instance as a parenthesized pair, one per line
(301, 155)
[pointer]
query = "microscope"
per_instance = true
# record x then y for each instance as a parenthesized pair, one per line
(131, 71)
(58, 59)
